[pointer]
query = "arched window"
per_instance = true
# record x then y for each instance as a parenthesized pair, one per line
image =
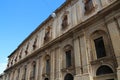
(46, 79)
(104, 70)
(69, 77)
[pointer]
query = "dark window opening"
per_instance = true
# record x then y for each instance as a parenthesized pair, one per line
(88, 5)
(26, 51)
(104, 70)
(100, 48)
(24, 78)
(68, 77)
(34, 70)
(48, 66)
(68, 58)
(34, 45)
(64, 21)
(46, 79)
(47, 34)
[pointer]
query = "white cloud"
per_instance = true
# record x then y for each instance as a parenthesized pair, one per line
(2, 67)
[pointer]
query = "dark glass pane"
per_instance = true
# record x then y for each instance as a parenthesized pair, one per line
(34, 69)
(46, 79)
(68, 58)
(48, 66)
(104, 70)
(25, 73)
(100, 48)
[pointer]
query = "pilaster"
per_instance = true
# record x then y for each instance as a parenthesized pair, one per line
(57, 64)
(77, 53)
(52, 72)
(114, 32)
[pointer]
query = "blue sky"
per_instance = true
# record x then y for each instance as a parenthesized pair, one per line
(18, 18)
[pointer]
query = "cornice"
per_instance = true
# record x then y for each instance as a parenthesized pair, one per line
(42, 25)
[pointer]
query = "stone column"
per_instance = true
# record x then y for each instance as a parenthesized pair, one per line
(114, 32)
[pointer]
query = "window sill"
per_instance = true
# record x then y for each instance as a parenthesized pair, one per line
(45, 74)
(102, 60)
(67, 69)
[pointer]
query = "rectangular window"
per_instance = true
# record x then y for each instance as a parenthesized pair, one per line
(100, 48)
(68, 58)
(34, 70)
(88, 6)
(48, 66)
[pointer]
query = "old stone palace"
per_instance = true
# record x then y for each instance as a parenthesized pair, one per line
(80, 42)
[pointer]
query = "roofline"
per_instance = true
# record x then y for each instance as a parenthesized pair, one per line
(41, 26)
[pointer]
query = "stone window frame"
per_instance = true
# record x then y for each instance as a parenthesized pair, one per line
(100, 47)
(20, 53)
(90, 9)
(104, 75)
(67, 48)
(99, 74)
(33, 70)
(48, 34)
(65, 20)
(47, 57)
(68, 76)
(35, 43)
(45, 73)
(97, 34)
(16, 57)
(27, 47)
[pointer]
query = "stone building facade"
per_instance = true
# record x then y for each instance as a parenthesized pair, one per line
(82, 42)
